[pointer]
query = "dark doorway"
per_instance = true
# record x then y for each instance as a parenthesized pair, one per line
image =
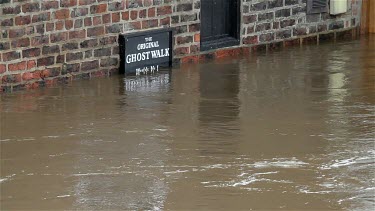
(219, 23)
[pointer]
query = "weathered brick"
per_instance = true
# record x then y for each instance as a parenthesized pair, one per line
(27, 76)
(68, 3)
(79, 12)
(22, 20)
(291, 2)
(336, 25)
(50, 72)
(15, 33)
(7, 22)
(149, 23)
(116, 6)
(311, 18)
(116, 17)
(30, 64)
(102, 52)
(249, 19)
(46, 61)
(108, 40)
(164, 10)
(282, 13)
(60, 59)
(98, 8)
(284, 34)
(133, 15)
(3, 68)
(40, 40)
(51, 26)
(322, 27)
(148, 3)
(137, 3)
(74, 56)
(108, 62)
(186, 18)
(58, 37)
(9, 56)
(89, 65)
(265, 16)
(31, 7)
(275, 3)
(298, 10)
(181, 29)
(184, 40)
(184, 7)
(286, 23)
(88, 21)
(194, 27)
(142, 13)
(95, 31)
(17, 66)
(114, 28)
(59, 25)
(181, 51)
(250, 29)
(165, 21)
(12, 10)
(86, 2)
(259, 6)
(31, 52)
(41, 17)
(69, 46)
(89, 43)
(4, 45)
(68, 24)
(14, 78)
(266, 37)
(69, 68)
(62, 14)
(40, 28)
(263, 27)
(78, 23)
(194, 49)
(50, 49)
(250, 40)
(300, 31)
(125, 15)
(175, 19)
(79, 34)
(47, 5)
(313, 29)
(23, 42)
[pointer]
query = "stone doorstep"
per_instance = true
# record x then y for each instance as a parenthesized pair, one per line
(316, 38)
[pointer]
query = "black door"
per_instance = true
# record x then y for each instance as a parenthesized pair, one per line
(219, 23)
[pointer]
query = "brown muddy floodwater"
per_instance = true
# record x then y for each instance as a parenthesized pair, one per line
(292, 129)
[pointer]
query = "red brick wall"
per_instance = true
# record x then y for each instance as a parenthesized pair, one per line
(45, 41)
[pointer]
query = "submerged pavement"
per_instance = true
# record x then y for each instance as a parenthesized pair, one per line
(292, 129)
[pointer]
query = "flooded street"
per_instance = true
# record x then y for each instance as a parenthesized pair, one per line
(290, 129)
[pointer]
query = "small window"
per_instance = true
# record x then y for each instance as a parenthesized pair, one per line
(317, 6)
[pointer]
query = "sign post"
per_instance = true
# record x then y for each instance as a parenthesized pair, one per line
(145, 52)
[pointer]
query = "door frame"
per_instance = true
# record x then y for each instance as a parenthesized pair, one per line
(227, 41)
(368, 17)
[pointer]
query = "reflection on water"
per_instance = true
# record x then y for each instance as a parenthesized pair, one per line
(293, 129)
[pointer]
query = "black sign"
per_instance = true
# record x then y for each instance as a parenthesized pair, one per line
(145, 52)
